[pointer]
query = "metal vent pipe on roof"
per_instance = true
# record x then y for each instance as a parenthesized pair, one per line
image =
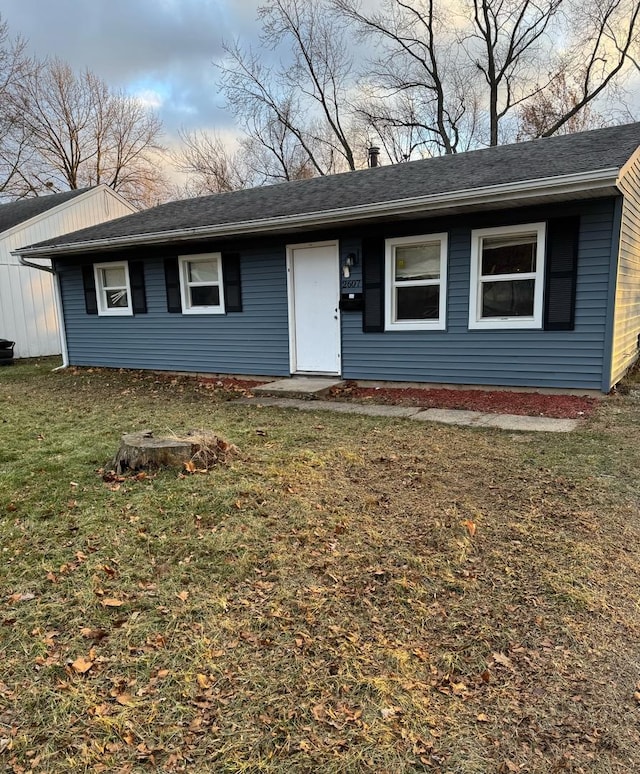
(374, 156)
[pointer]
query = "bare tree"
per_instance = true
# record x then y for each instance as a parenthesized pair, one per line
(211, 166)
(605, 34)
(15, 67)
(82, 133)
(511, 34)
(419, 96)
(543, 111)
(457, 81)
(308, 96)
(268, 154)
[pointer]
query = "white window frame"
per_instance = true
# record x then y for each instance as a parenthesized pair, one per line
(183, 264)
(476, 322)
(391, 323)
(103, 309)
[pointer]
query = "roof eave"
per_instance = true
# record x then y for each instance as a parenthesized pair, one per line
(491, 195)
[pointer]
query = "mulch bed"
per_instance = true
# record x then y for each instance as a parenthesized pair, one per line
(495, 402)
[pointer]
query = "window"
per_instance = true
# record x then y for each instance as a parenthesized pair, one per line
(507, 270)
(201, 284)
(112, 288)
(416, 282)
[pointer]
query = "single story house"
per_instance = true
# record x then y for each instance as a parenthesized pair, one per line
(517, 265)
(27, 297)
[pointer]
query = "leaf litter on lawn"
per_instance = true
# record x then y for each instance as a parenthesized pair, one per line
(352, 595)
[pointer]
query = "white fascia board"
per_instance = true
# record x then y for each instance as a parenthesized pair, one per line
(506, 192)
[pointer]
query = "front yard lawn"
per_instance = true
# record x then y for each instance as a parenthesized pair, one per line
(348, 594)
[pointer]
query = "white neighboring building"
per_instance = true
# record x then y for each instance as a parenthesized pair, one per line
(28, 312)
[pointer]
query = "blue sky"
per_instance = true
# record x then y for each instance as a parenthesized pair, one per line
(161, 50)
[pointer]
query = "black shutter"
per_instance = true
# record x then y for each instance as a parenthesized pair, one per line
(561, 274)
(373, 284)
(89, 284)
(231, 279)
(136, 280)
(172, 285)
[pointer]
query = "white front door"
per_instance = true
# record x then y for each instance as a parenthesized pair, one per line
(314, 319)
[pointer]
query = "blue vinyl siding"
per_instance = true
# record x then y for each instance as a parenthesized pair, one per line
(532, 358)
(254, 341)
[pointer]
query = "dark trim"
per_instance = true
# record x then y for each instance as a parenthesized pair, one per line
(561, 274)
(172, 284)
(373, 284)
(231, 277)
(89, 285)
(138, 293)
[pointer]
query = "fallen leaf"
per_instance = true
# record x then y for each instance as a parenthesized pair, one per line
(482, 718)
(203, 681)
(125, 699)
(18, 597)
(471, 527)
(459, 689)
(81, 665)
(319, 713)
(93, 634)
(111, 602)
(100, 710)
(183, 595)
(505, 661)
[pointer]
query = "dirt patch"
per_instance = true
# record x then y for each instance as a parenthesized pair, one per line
(494, 402)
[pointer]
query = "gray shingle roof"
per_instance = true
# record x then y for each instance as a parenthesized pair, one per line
(585, 152)
(13, 213)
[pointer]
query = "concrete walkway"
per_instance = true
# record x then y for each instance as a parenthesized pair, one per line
(445, 416)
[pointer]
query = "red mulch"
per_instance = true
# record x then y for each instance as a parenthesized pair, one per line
(495, 402)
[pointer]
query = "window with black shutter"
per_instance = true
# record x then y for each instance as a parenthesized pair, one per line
(373, 285)
(138, 292)
(89, 285)
(232, 283)
(561, 275)
(172, 284)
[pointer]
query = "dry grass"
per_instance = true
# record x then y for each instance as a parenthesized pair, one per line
(347, 594)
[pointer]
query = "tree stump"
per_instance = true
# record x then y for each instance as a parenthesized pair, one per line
(141, 450)
(196, 451)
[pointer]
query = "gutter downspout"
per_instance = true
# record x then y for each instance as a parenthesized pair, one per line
(58, 301)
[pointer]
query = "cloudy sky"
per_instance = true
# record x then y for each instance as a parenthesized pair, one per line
(161, 50)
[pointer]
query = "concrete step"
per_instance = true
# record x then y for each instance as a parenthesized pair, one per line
(305, 387)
